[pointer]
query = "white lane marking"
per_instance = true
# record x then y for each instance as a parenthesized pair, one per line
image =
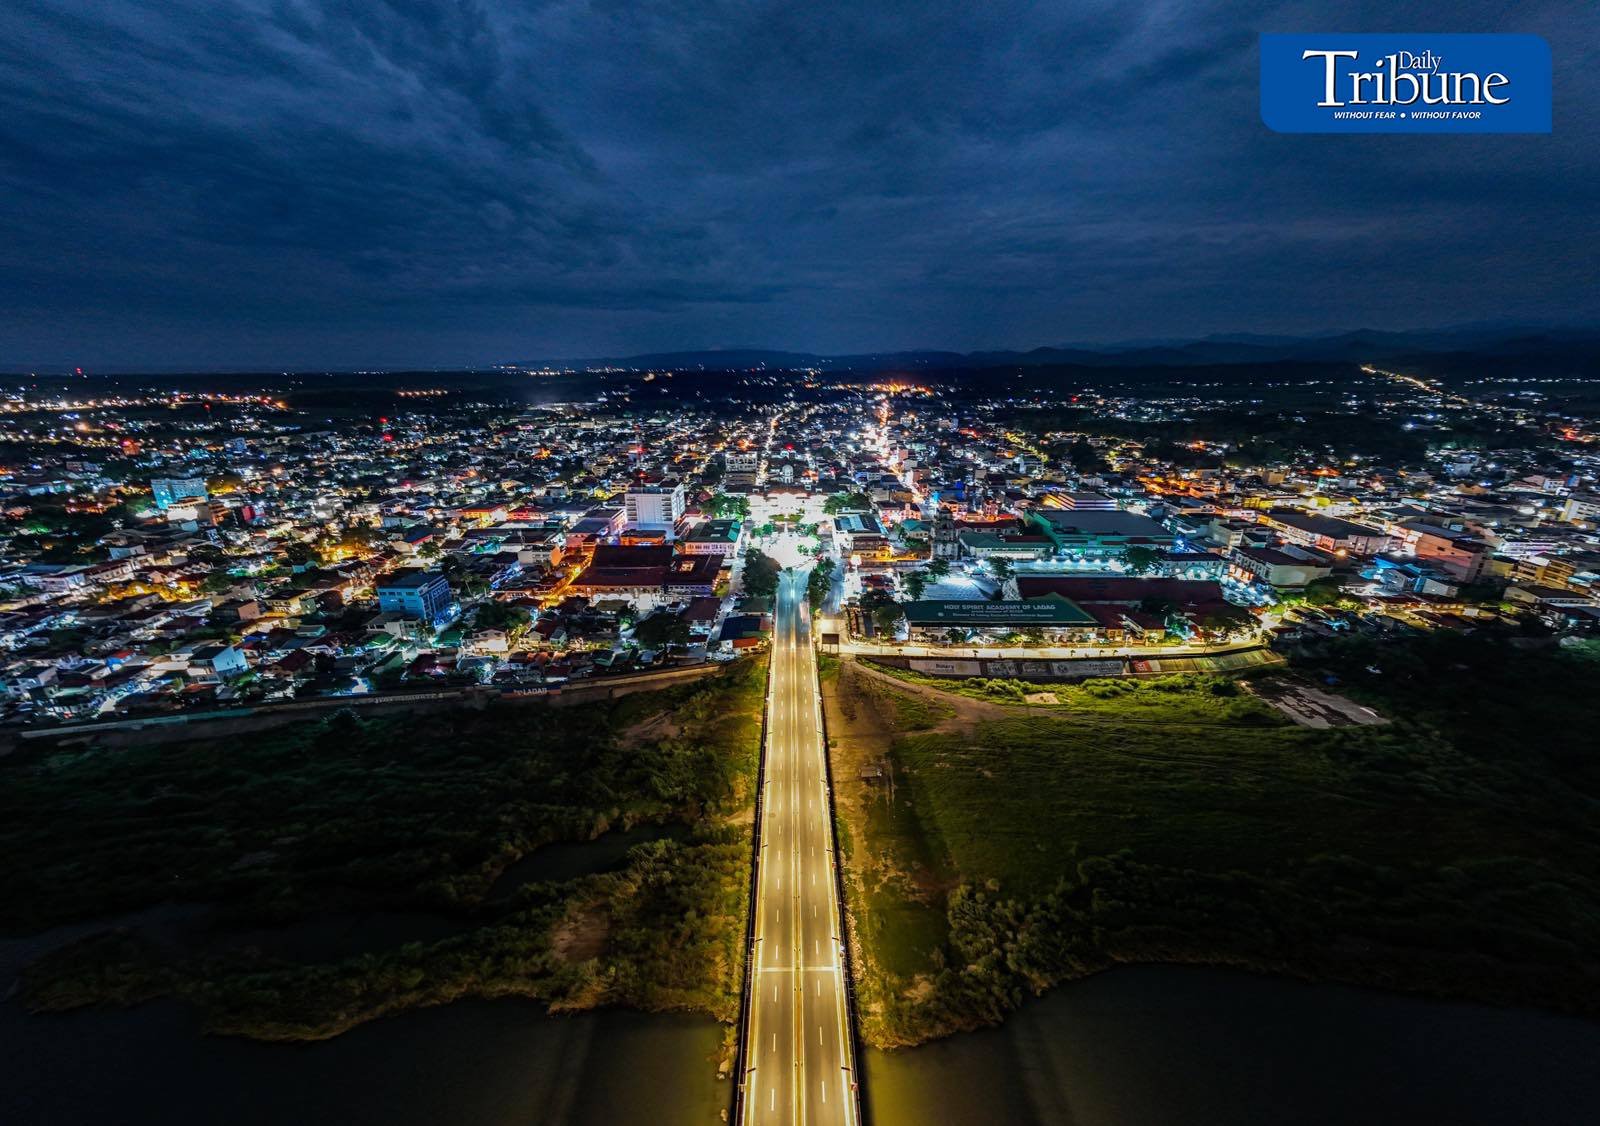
(774, 1041)
(819, 1035)
(774, 994)
(773, 1105)
(824, 1086)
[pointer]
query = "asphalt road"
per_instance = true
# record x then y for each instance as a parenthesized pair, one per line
(799, 1062)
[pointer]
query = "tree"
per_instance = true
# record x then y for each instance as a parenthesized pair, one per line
(728, 506)
(820, 582)
(882, 609)
(885, 615)
(938, 569)
(760, 574)
(1001, 567)
(502, 616)
(1158, 607)
(661, 630)
(300, 554)
(138, 507)
(1324, 592)
(916, 584)
(1086, 459)
(845, 502)
(1227, 619)
(1141, 560)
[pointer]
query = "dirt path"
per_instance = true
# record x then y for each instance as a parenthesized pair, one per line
(968, 713)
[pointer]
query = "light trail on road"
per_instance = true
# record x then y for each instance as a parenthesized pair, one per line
(799, 1050)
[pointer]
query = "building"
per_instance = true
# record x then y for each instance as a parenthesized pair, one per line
(1581, 508)
(1086, 502)
(1327, 533)
(637, 573)
(1057, 619)
(1285, 568)
(739, 470)
(220, 661)
(424, 595)
(713, 537)
(997, 545)
(863, 534)
(691, 576)
(169, 491)
(1099, 531)
(655, 507)
(1456, 552)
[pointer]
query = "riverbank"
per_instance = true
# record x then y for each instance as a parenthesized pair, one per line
(352, 815)
(1003, 838)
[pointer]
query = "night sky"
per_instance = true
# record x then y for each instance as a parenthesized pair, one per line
(276, 183)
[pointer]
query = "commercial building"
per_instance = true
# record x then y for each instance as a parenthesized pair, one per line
(424, 595)
(713, 537)
(1326, 533)
(655, 507)
(1285, 568)
(1099, 531)
(1056, 618)
(169, 491)
(1086, 502)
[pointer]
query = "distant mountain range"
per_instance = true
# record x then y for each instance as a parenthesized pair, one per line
(1360, 346)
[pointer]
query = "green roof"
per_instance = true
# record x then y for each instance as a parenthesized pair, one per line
(976, 612)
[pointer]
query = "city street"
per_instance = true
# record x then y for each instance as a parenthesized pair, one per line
(800, 1066)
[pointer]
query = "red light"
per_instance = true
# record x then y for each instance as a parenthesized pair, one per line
(388, 437)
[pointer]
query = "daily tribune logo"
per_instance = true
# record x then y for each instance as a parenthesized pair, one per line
(1405, 83)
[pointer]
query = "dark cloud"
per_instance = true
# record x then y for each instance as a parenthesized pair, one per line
(280, 182)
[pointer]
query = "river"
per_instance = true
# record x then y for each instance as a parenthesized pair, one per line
(1139, 1046)
(1158, 1045)
(1135, 1047)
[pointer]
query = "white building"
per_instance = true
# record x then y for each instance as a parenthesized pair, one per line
(655, 508)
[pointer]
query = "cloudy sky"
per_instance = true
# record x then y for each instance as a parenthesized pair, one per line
(274, 183)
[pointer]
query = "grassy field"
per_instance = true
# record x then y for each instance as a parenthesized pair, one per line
(402, 816)
(1003, 847)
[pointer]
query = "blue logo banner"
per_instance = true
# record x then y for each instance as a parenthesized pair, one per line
(1421, 83)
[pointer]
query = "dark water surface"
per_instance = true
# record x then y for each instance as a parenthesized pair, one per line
(474, 1063)
(1135, 1047)
(1153, 1045)
(570, 859)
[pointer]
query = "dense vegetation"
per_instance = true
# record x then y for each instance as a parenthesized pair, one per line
(422, 813)
(1014, 846)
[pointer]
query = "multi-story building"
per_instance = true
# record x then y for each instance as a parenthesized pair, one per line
(655, 508)
(169, 491)
(740, 469)
(1327, 533)
(1285, 568)
(415, 593)
(1581, 508)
